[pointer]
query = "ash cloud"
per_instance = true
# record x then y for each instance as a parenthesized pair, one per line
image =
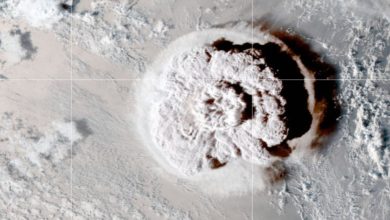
(324, 73)
(83, 127)
(25, 43)
(16, 46)
(228, 100)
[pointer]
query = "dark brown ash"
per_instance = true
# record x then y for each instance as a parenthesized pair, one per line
(223, 101)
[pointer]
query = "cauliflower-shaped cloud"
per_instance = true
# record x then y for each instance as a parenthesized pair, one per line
(222, 101)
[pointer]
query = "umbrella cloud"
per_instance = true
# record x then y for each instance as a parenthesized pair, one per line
(224, 97)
